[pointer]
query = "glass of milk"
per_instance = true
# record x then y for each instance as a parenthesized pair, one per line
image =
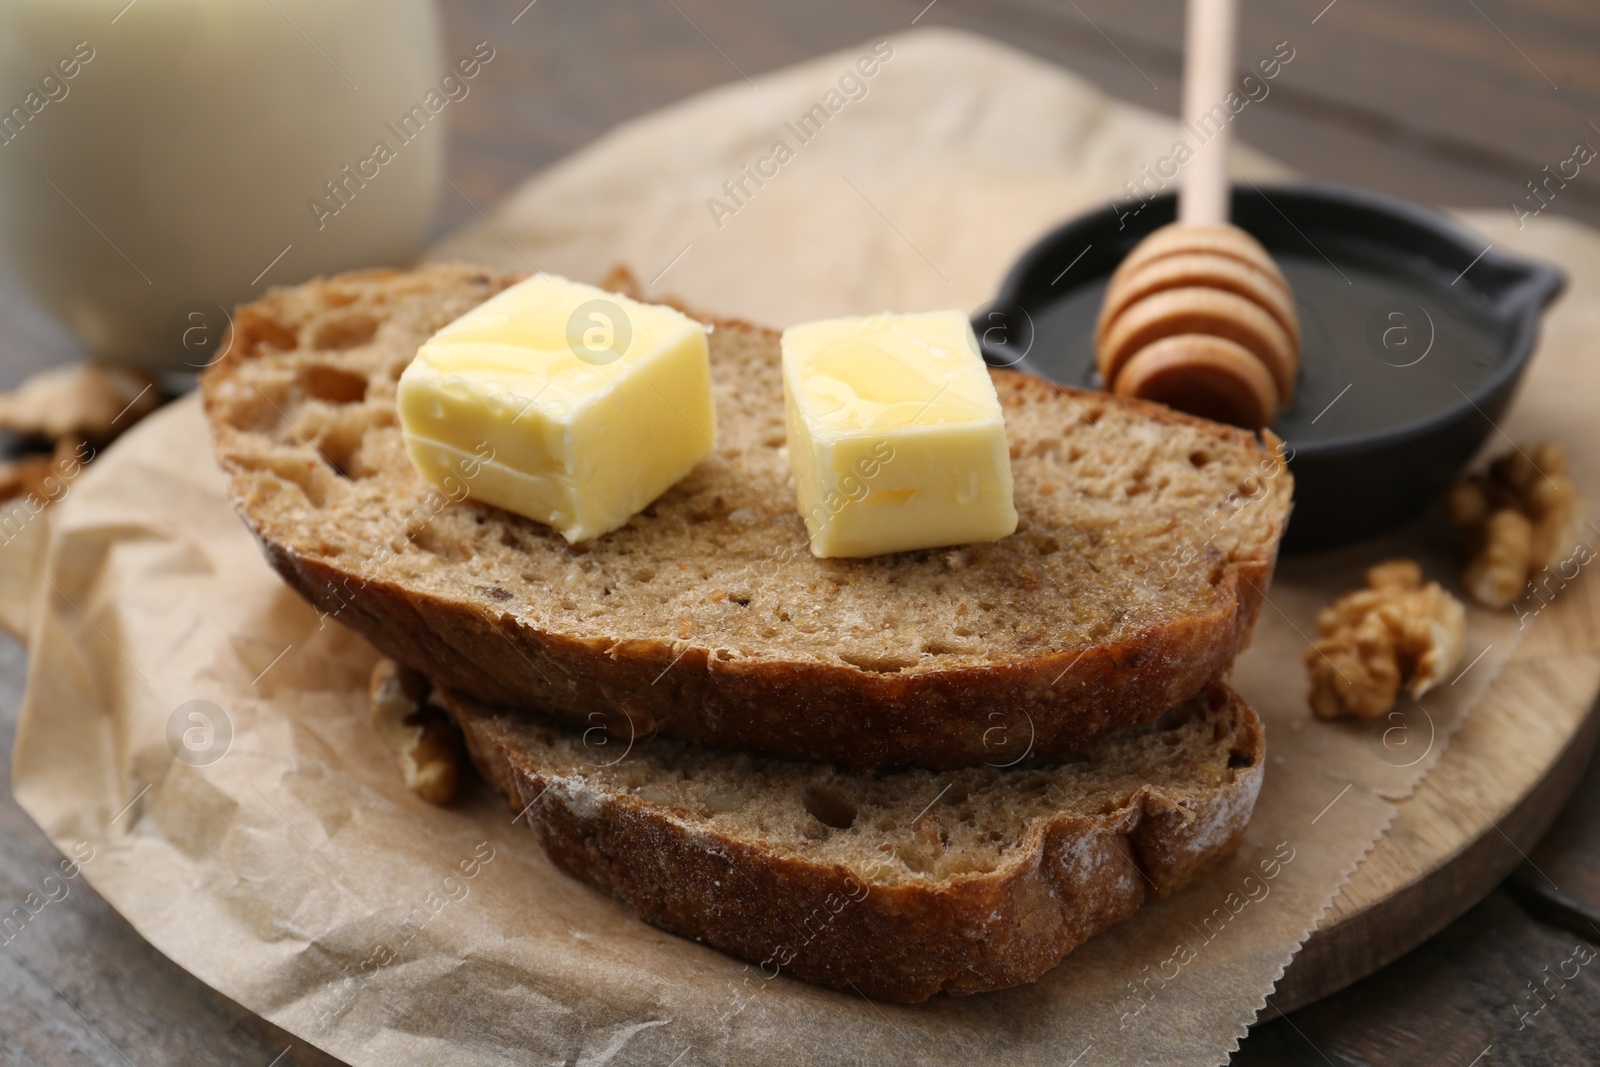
(162, 160)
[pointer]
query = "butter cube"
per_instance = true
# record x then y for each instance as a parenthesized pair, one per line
(896, 438)
(561, 402)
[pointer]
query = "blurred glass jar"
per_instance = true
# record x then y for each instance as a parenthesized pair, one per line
(162, 160)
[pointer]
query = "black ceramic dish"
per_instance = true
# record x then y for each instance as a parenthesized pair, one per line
(1414, 337)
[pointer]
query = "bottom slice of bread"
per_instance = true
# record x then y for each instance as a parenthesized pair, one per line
(897, 885)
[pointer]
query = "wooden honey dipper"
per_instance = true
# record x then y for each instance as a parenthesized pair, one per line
(1198, 316)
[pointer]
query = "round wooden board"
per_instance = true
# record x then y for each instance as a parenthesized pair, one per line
(1507, 773)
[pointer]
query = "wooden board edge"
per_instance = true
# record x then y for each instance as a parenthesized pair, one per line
(1435, 877)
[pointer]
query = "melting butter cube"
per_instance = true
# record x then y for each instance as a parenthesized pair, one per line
(561, 402)
(896, 437)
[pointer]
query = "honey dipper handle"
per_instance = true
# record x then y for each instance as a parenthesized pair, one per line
(1207, 75)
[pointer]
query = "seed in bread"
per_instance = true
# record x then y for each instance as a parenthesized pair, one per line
(706, 617)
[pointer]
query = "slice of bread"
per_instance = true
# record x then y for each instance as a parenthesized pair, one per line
(897, 885)
(1145, 540)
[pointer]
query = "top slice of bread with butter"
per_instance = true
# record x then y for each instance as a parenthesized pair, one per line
(1144, 543)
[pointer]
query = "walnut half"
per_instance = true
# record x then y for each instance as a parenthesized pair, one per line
(424, 744)
(1396, 631)
(88, 400)
(1521, 513)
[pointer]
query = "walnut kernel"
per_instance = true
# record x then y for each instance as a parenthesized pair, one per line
(1396, 631)
(87, 400)
(1522, 514)
(423, 742)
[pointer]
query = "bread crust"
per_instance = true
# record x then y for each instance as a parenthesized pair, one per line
(636, 687)
(856, 718)
(1070, 877)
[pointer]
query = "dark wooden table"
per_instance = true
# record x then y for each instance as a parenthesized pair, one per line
(1458, 102)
